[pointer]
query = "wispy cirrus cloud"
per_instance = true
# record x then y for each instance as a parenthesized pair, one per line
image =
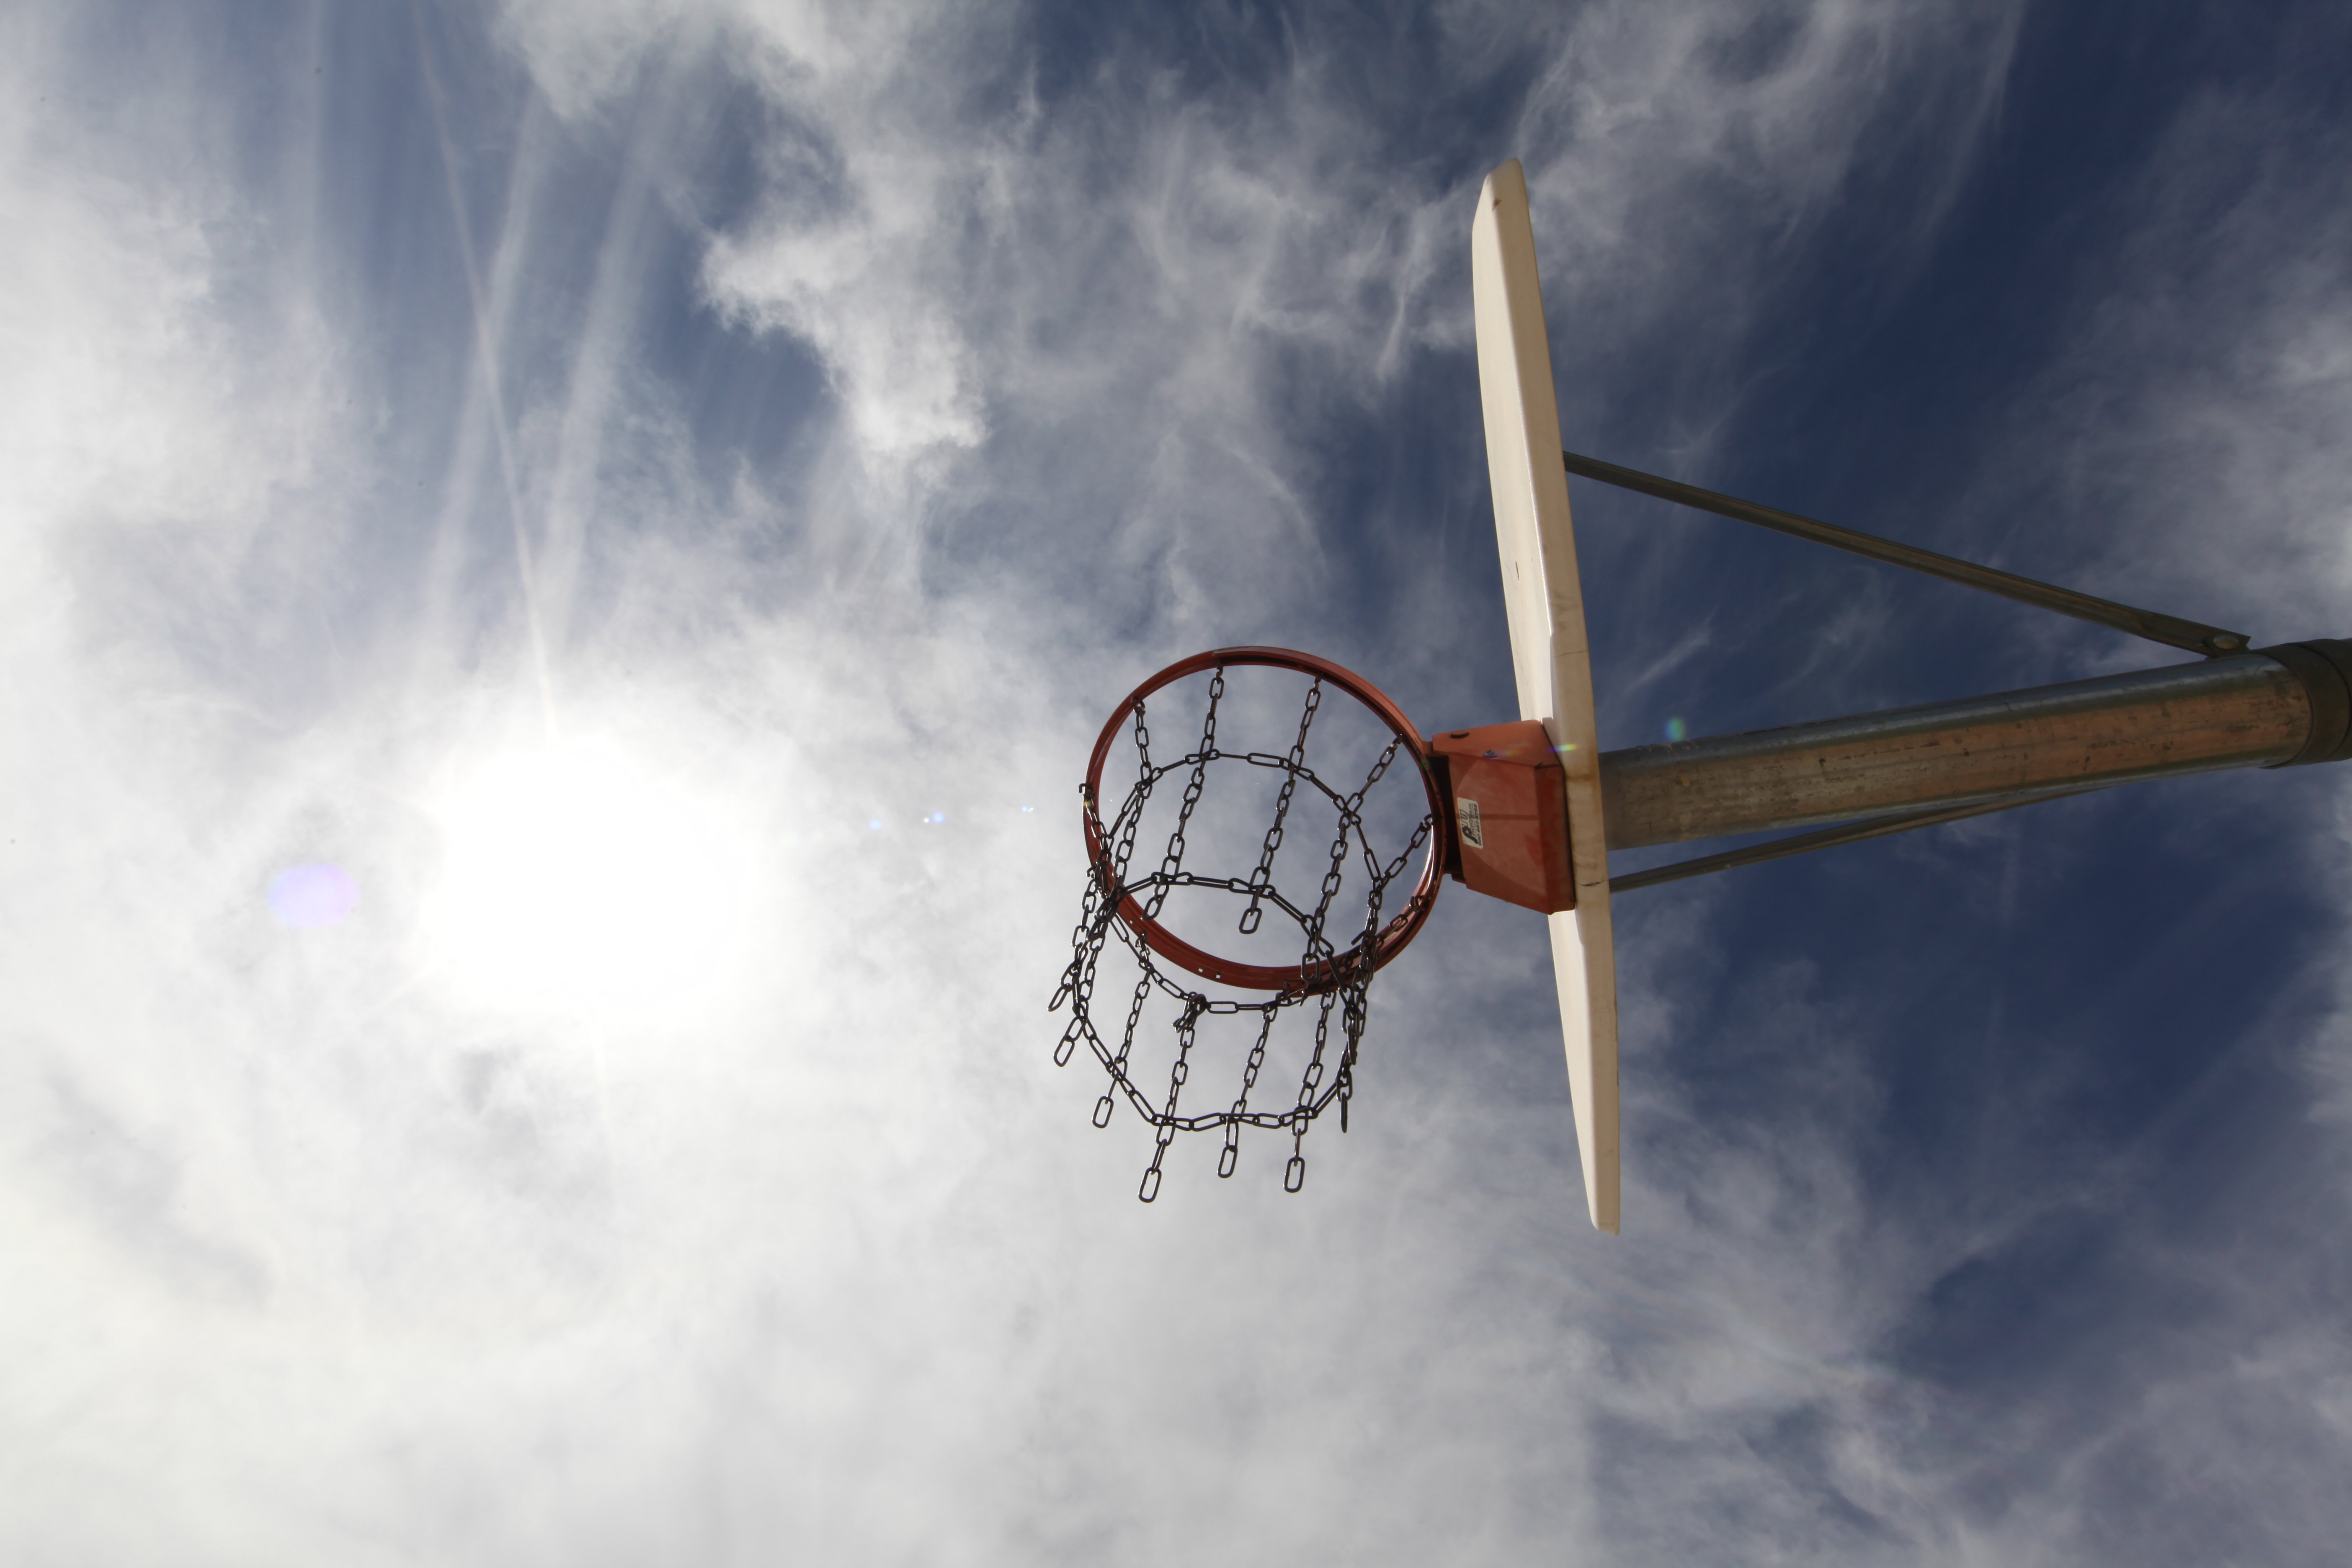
(1045, 354)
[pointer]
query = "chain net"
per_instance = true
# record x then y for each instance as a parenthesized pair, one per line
(1337, 938)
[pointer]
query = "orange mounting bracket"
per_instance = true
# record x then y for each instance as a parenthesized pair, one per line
(1507, 835)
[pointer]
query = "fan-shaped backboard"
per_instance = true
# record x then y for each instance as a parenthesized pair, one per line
(1545, 609)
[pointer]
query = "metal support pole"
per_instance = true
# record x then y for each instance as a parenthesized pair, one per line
(1914, 767)
(2242, 711)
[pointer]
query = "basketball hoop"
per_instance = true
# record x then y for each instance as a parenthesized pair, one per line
(1527, 811)
(1332, 978)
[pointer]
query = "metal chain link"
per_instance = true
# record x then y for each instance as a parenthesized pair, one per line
(1108, 886)
(1174, 860)
(1263, 877)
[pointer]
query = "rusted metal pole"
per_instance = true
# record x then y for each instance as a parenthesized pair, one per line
(2257, 710)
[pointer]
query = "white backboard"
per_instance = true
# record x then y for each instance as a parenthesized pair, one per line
(1545, 609)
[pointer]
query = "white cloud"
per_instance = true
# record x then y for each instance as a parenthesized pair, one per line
(336, 1263)
(2198, 416)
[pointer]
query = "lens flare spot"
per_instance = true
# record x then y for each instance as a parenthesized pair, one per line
(574, 878)
(1677, 730)
(309, 897)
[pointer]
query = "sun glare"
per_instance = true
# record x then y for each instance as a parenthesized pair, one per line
(573, 878)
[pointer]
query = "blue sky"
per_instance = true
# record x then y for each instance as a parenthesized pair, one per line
(575, 468)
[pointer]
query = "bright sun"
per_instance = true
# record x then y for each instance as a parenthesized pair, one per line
(574, 879)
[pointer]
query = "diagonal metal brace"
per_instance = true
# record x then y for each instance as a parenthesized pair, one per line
(1829, 838)
(2170, 630)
